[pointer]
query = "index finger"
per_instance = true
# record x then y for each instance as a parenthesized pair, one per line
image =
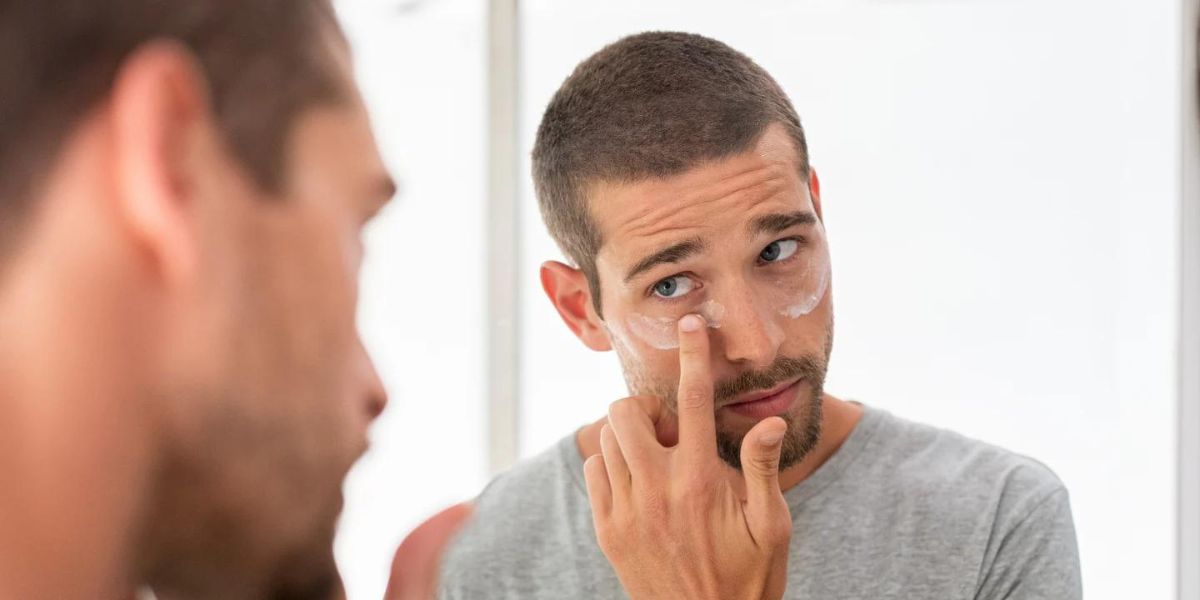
(697, 426)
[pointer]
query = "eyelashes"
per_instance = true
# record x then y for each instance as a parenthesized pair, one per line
(679, 285)
(675, 286)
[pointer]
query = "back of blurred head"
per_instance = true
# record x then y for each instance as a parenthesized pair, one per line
(183, 186)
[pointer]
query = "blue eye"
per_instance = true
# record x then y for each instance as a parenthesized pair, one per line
(778, 250)
(673, 287)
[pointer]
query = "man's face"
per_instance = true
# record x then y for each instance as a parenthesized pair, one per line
(271, 406)
(740, 242)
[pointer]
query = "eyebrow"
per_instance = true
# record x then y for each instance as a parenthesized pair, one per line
(777, 222)
(671, 254)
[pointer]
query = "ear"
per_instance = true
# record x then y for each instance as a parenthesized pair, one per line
(568, 291)
(159, 103)
(814, 189)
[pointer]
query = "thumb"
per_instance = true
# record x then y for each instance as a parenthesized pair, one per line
(760, 467)
(418, 559)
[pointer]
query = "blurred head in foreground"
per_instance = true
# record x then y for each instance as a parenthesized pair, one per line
(183, 186)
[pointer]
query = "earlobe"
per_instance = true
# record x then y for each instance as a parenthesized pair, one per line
(568, 291)
(159, 99)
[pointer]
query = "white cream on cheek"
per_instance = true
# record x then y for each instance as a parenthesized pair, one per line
(805, 299)
(661, 333)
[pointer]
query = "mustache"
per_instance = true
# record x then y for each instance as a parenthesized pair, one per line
(785, 368)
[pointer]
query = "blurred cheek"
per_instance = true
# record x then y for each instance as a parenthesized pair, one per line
(352, 252)
(340, 281)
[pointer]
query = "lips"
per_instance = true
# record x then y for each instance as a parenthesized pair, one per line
(766, 403)
(763, 394)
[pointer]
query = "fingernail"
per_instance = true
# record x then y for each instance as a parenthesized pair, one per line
(691, 323)
(771, 438)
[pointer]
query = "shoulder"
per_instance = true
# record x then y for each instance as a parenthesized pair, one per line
(549, 481)
(530, 510)
(929, 461)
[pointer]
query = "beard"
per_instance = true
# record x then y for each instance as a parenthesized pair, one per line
(803, 421)
(309, 574)
(241, 509)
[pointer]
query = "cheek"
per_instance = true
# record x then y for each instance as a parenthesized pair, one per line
(803, 288)
(806, 294)
(809, 335)
(640, 362)
(662, 333)
(313, 293)
(333, 257)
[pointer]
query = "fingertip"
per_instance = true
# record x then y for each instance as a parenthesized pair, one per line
(691, 323)
(772, 430)
(770, 438)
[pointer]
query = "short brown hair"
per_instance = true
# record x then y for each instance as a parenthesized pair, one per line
(58, 58)
(649, 105)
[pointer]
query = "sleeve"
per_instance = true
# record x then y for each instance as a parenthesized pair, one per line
(1036, 558)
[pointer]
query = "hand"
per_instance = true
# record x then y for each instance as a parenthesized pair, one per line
(675, 521)
(415, 566)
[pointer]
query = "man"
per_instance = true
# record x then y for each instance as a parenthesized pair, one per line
(673, 172)
(182, 386)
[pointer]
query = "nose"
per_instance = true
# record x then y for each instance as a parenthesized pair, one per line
(374, 395)
(748, 334)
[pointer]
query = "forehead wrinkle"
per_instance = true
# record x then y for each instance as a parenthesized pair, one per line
(751, 176)
(742, 187)
(656, 221)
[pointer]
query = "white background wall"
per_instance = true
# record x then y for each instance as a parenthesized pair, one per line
(1000, 182)
(421, 70)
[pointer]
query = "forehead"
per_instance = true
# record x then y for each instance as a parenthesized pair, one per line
(711, 201)
(332, 147)
(334, 139)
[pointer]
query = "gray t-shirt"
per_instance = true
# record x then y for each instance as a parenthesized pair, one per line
(901, 510)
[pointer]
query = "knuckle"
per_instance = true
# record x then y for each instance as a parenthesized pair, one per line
(692, 397)
(695, 489)
(648, 404)
(764, 464)
(608, 540)
(779, 532)
(622, 408)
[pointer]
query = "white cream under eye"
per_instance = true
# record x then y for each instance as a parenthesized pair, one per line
(661, 333)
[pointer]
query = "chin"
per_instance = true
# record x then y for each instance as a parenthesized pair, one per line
(309, 571)
(803, 432)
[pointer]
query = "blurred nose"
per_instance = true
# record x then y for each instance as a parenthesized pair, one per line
(748, 334)
(374, 394)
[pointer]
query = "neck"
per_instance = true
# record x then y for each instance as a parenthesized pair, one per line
(838, 419)
(74, 454)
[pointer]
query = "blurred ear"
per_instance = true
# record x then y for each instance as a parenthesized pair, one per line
(567, 289)
(159, 110)
(814, 189)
